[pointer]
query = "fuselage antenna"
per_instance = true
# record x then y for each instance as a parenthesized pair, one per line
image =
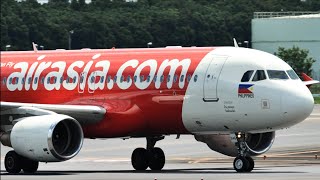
(235, 43)
(34, 45)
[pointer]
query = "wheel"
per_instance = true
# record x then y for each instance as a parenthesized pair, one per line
(12, 162)
(241, 164)
(251, 163)
(29, 166)
(156, 158)
(139, 159)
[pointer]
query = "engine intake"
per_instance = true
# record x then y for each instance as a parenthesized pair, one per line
(47, 138)
(225, 144)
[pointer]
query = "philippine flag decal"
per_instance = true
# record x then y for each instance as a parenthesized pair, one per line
(245, 91)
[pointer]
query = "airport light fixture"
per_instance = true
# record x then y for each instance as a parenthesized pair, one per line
(149, 44)
(8, 46)
(70, 38)
(247, 43)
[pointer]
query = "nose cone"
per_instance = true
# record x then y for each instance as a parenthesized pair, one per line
(297, 104)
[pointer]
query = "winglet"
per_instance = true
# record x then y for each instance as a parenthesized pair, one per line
(306, 77)
(308, 81)
(34, 45)
(235, 43)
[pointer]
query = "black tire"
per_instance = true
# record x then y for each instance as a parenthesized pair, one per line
(240, 164)
(139, 159)
(156, 158)
(251, 164)
(29, 166)
(12, 162)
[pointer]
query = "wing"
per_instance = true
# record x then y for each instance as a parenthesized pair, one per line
(83, 114)
(309, 83)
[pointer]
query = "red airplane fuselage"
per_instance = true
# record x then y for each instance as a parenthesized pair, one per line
(142, 90)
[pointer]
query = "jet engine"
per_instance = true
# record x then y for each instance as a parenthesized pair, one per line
(226, 144)
(47, 138)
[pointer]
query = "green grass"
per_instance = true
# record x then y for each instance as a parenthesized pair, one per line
(317, 100)
(315, 89)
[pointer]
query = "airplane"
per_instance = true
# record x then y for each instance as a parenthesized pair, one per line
(231, 98)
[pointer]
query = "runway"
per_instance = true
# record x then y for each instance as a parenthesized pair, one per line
(293, 156)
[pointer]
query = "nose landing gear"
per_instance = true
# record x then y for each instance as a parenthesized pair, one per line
(152, 157)
(243, 162)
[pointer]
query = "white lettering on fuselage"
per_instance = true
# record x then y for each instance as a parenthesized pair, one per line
(93, 74)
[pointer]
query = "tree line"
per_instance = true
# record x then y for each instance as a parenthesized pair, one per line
(116, 23)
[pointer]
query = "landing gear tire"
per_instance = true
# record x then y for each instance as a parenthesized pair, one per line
(12, 162)
(156, 158)
(241, 164)
(29, 166)
(139, 159)
(251, 163)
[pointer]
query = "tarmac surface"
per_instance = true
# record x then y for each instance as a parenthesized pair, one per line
(293, 156)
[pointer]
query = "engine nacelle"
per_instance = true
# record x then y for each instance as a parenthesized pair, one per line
(225, 144)
(47, 138)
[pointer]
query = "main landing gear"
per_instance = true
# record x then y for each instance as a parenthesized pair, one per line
(13, 163)
(243, 162)
(152, 157)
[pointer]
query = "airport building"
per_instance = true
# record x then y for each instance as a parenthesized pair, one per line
(271, 30)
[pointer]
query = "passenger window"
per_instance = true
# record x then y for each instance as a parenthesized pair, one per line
(175, 78)
(122, 78)
(155, 78)
(168, 78)
(81, 78)
(35, 80)
(109, 78)
(10, 80)
(189, 78)
(61, 80)
(135, 78)
(293, 74)
(22, 81)
(141, 78)
(148, 78)
(42, 80)
(277, 74)
(48, 80)
(4, 80)
(181, 78)
(115, 79)
(246, 76)
(162, 78)
(17, 80)
(29, 80)
(260, 75)
(128, 78)
(195, 78)
(92, 79)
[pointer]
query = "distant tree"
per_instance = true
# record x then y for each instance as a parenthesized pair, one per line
(297, 58)
(74, 4)
(82, 3)
(108, 23)
(58, 1)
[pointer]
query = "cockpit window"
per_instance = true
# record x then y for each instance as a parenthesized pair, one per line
(246, 76)
(260, 75)
(292, 74)
(277, 74)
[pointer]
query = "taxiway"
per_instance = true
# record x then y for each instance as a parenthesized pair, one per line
(293, 156)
